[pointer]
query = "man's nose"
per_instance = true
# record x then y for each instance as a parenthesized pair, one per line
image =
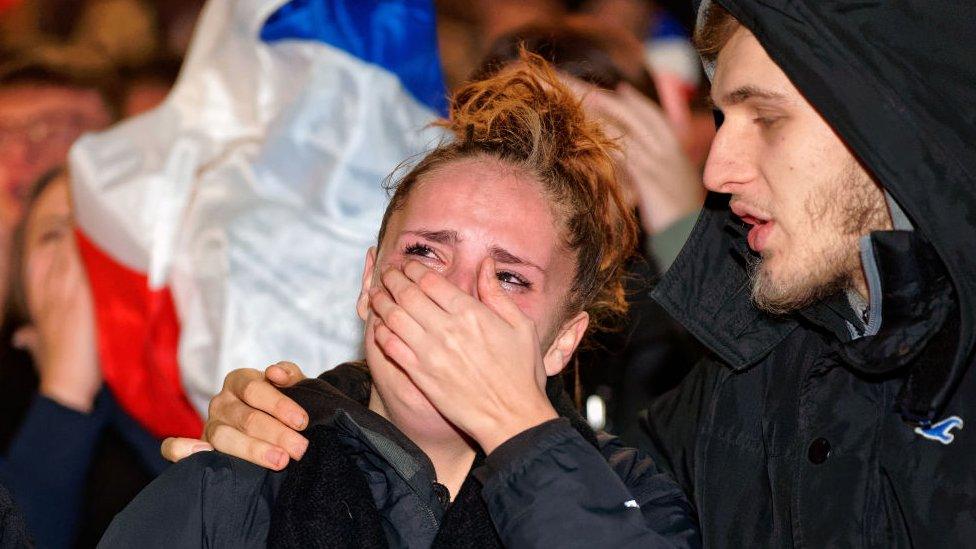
(729, 163)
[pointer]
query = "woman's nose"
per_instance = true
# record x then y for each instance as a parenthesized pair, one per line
(465, 277)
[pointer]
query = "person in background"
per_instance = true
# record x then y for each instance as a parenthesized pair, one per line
(71, 457)
(74, 458)
(44, 107)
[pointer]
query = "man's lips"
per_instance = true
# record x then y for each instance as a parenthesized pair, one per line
(762, 225)
(758, 235)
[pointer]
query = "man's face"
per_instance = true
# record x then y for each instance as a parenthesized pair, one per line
(792, 178)
(38, 124)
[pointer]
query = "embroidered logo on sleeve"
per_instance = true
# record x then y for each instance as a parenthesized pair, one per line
(942, 431)
(632, 503)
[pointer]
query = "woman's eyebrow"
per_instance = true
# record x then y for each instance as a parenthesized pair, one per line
(441, 237)
(501, 255)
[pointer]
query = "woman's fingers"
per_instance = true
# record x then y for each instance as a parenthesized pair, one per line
(250, 386)
(176, 448)
(229, 440)
(396, 318)
(421, 306)
(395, 348)
(441, 291)
(492, 295)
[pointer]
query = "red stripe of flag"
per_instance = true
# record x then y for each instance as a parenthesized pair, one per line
(138, 337)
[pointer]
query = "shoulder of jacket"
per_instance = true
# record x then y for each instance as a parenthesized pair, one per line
(223, 477)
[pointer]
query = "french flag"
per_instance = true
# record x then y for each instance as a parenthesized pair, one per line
(227, 227)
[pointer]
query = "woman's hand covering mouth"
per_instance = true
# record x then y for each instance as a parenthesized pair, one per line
(478, 362)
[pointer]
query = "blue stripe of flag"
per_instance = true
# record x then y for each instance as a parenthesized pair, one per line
(398, 35)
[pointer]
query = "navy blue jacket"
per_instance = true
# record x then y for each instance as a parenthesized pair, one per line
(47, 464)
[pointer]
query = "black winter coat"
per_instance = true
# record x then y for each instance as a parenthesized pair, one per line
(546, 487)
(817, 430)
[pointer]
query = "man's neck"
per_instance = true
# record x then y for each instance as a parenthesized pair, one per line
(451, 456)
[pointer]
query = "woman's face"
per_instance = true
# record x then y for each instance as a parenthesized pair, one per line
(57, 293)
(453, 219)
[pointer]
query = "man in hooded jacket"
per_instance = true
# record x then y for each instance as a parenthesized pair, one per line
(832, 278)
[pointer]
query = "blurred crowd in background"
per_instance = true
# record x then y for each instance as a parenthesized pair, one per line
(73, 66)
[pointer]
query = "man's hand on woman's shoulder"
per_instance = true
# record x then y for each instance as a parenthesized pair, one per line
(251, 419)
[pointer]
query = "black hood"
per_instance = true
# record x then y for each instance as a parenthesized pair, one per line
(896, 79)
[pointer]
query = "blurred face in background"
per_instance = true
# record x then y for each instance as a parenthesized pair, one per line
(38, 124)
(54, 288)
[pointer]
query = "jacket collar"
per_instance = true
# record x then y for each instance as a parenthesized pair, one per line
(707, 289)
(339, 399)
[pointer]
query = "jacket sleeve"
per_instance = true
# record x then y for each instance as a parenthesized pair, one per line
(206, 500)
(549, 487)
(47, 464)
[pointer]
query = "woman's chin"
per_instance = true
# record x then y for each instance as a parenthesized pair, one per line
(397, 398)
(418, 417)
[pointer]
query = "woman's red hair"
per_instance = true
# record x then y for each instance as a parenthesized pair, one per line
(526, 117)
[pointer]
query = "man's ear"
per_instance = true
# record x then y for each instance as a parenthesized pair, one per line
(565, 343)
(362, 304)
(26, 338)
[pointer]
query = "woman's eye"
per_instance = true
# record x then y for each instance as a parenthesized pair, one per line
(513, 279)
(419, 250)
(51, 235)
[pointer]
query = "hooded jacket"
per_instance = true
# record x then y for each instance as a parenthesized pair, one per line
(820, 429)
(555, 485)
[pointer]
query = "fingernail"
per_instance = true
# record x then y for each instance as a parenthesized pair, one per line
(297, 421)
(200, 448)
(298, 447)
(276, 457)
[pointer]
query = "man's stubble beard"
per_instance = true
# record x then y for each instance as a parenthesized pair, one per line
(852, 206)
